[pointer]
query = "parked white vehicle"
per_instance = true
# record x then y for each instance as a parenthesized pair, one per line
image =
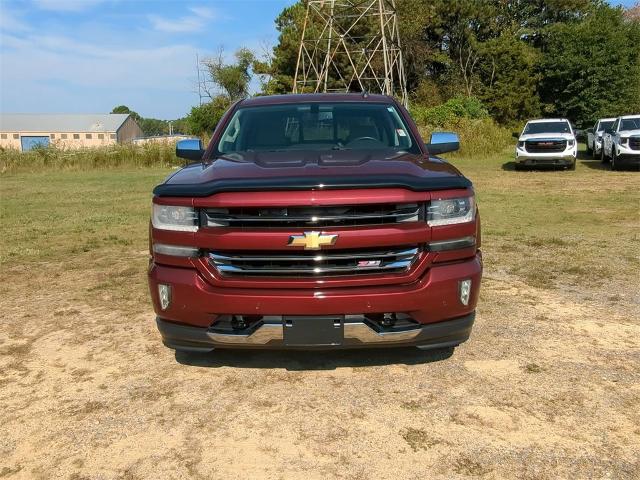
(594, 136)
(547, 142)
(621, 143)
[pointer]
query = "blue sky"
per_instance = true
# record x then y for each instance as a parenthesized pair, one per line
(90, 55)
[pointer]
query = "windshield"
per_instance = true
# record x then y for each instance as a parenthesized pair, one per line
(318, 127)
(547, 127)
(630, 124)
(604, 125)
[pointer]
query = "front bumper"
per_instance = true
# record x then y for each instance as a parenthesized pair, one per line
(196, 303)
(560, 159)
(358, 333)
(628, 159)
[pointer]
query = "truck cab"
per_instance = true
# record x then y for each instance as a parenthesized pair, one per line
(315, 221)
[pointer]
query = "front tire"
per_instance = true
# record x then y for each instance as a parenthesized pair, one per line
(572, 166)
(603, 157)
(614, 165)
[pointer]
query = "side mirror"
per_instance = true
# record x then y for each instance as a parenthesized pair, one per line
(443, 142)
(515, 134)
(589, 130)
(190, 149)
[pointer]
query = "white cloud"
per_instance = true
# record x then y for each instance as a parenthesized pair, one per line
(66, 5)
(203, 12)
(58, 73)
(186, 24)
(11, 21)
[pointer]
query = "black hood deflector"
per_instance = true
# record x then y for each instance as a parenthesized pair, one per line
(314, 182)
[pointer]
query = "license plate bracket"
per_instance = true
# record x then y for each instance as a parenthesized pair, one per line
(313, 330)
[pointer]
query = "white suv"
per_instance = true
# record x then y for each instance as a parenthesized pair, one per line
(594, 136)
(621, 143)
(548, 142)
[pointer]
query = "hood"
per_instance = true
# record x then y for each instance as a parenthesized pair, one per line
(296, 170)
(549, 136)
(629, 133)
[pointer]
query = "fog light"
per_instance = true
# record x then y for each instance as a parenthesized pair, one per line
(164, 292)
(465, 291)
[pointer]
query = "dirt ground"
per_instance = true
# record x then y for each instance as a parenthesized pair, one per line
(547, 387)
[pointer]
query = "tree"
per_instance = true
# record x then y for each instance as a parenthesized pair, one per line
(125, 109)
(591, 69)
(231, 79)
(509, 79)
(204, 118)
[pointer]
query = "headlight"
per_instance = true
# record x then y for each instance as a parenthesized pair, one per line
(624, 141)
(520, 144)
(179, 219)
(571, 143)
(450, 212)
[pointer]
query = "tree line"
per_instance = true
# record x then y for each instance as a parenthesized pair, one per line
(513, 59)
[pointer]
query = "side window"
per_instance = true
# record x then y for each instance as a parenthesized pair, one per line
(230, 135)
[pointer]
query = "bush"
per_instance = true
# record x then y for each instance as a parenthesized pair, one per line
(480, 137)
(448, 112)
(479, 134)
(129, 155)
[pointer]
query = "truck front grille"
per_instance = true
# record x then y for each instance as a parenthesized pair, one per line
(634, 143)
(545, 146)
(303, 217)
(310, 264)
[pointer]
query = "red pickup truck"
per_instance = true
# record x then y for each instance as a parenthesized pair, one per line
(315, 221)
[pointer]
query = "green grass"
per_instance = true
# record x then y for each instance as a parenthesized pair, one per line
(115, 156)
(549, 228)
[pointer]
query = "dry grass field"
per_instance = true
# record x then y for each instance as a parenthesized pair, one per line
(547, 387)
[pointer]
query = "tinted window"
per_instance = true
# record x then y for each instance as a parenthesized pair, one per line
(604, 125)
(316, 126)
(547, 127)
(630, 124)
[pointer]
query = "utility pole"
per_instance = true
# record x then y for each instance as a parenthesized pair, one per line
(351, 45)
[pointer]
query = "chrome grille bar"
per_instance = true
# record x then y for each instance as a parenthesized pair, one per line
(358, 262)
(323, 216)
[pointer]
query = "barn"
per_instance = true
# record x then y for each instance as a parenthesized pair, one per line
(24, 131)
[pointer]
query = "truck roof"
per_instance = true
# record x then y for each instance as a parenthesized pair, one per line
(624, 117)
(316, 97)
(544, 120)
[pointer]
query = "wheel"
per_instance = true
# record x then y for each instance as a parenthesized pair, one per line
(572, 166)
(614, 165)
(603, 157)
(589, 149)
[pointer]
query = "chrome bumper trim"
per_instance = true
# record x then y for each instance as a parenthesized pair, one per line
(262, 335)
(268, 332)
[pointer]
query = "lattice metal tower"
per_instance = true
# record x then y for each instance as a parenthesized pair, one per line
(350, 45)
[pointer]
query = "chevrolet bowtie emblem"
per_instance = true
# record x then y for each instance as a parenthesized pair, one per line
(312, 240)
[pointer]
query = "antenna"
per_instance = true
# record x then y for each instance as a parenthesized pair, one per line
(200, 94)
(350, 45)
